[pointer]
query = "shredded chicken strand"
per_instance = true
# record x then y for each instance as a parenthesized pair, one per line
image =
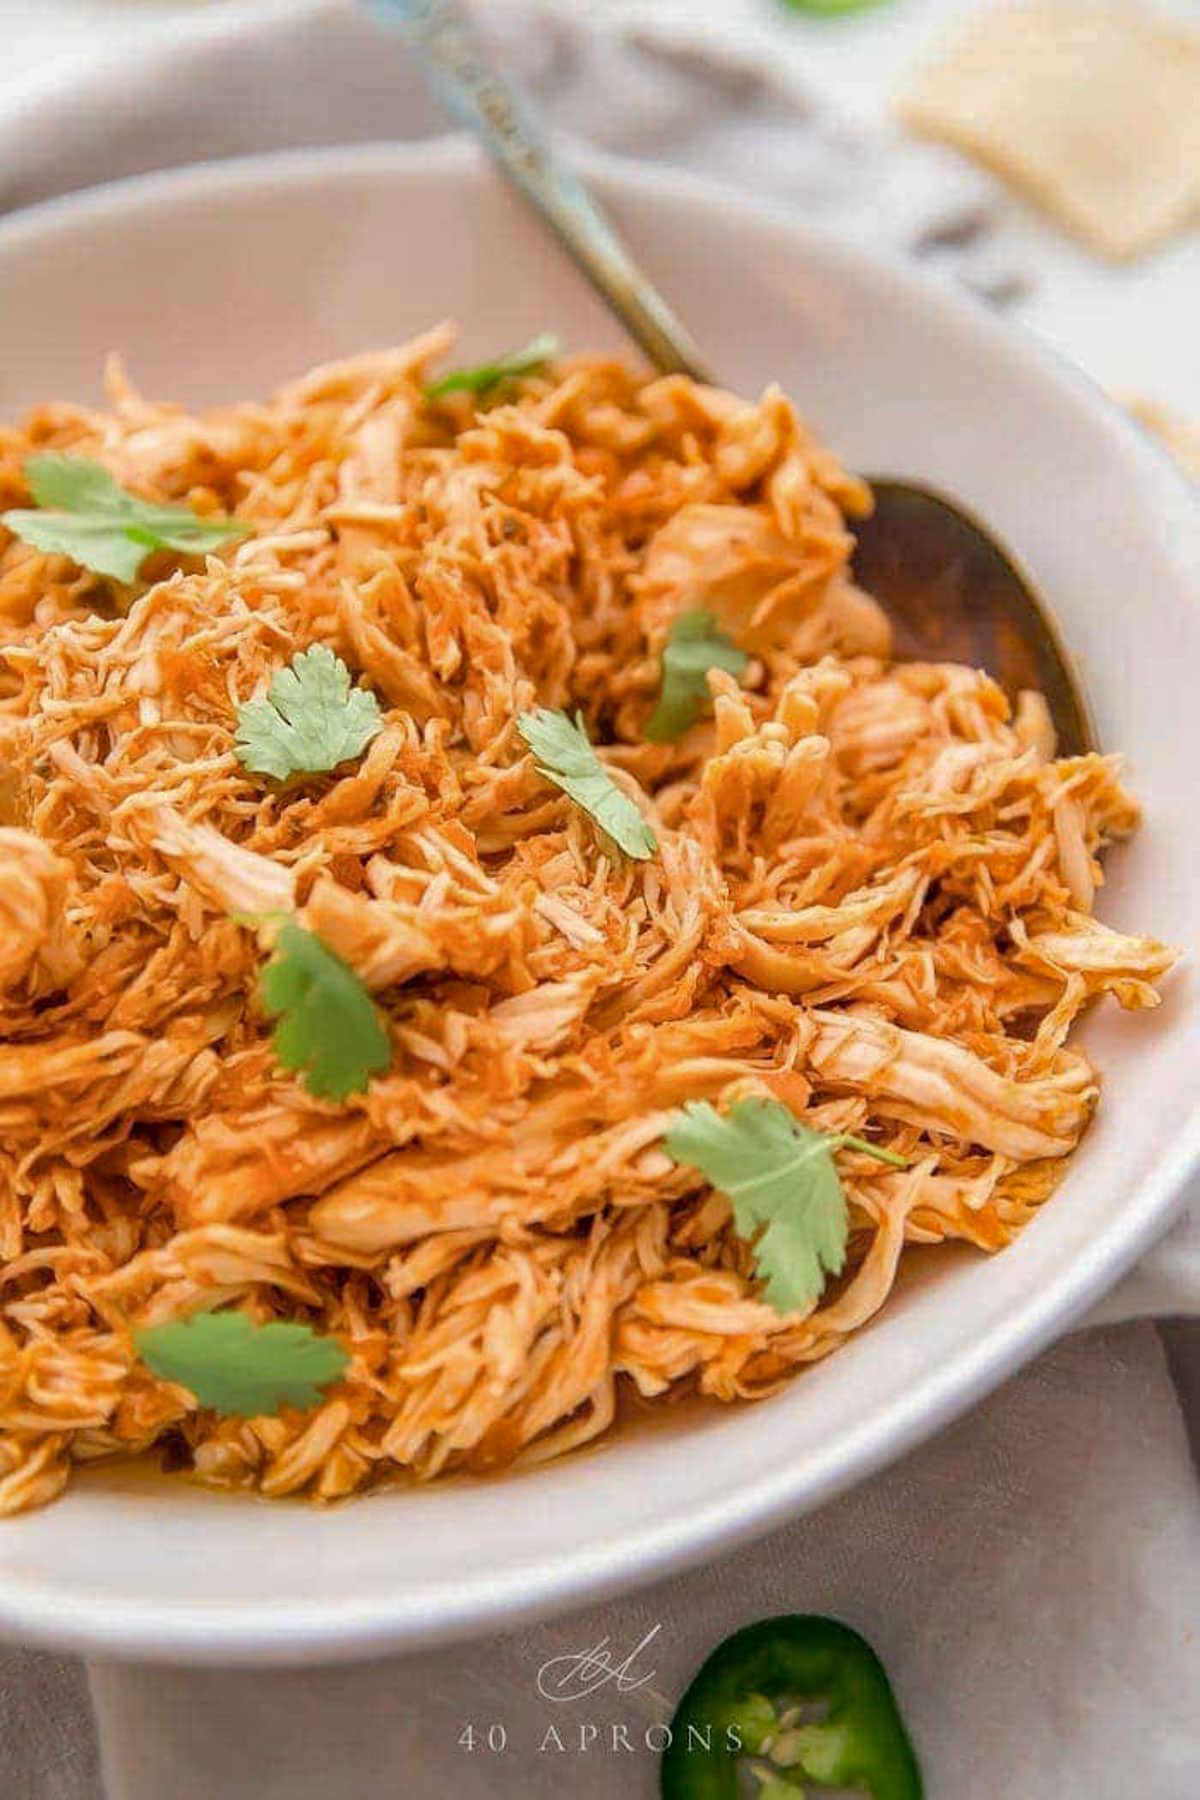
(872, 901)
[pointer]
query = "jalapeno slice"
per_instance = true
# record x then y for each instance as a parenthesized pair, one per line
(732, 1709)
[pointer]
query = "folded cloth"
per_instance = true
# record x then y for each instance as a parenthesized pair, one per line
(1032, 1578)
(236, 79)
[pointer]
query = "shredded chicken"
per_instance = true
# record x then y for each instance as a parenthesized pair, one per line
(872, 900)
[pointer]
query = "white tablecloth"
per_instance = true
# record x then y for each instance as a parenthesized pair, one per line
(1032, 1578)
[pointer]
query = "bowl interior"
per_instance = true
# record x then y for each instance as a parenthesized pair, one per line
(219, 283)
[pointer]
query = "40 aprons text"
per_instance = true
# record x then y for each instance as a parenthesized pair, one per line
(586, 1736)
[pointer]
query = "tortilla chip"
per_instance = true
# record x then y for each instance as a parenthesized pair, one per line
(1092, 111)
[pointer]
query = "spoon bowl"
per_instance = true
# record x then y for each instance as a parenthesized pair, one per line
(954, 594)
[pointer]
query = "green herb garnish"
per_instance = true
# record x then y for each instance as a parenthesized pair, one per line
(329, 1027)
(311, 720)
(781, 1180)
(541, 349)
(831, 9)
(565, 756)
(694, 645)
(236, 1366)
(83, 514)
(746, 1701)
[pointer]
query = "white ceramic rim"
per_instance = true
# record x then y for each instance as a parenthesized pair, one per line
(484, 1603)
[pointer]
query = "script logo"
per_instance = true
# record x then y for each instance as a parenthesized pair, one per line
(579, 1673)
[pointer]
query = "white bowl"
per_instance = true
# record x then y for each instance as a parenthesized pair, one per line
(220, 281)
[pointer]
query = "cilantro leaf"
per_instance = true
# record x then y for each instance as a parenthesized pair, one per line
(236, 1366)
(311, 720)
(85, 515)
(541, 349)
(779, 1175)
(695, 645)
(831, 9)
(564, 755)
(328, 1027)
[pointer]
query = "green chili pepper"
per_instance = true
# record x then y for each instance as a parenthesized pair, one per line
(730, 1710)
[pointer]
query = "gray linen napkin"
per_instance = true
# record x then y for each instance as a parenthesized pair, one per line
(1031, 1579)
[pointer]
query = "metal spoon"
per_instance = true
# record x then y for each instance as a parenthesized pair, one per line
(950, 589)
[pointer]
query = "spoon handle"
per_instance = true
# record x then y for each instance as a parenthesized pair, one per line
(456, 64)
